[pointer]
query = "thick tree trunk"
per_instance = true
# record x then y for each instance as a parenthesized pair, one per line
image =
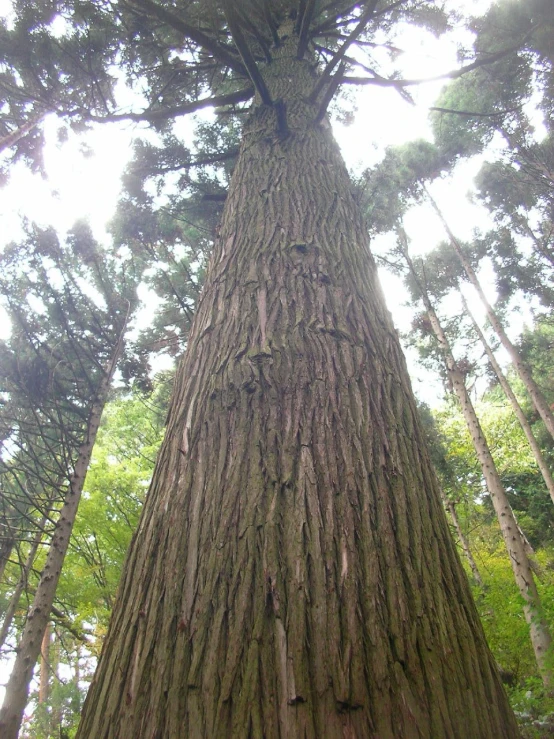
(513, 539)
(293, 574)
(464, 543)
(520, 415)
(17, 688)
(538, 399)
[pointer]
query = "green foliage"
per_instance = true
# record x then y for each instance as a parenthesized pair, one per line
(117, 481)
(387, 190)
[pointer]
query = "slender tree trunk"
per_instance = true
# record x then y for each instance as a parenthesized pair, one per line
(520, 415)
(6, 546)
(293, 573)
(12, 138)
(44, 683)
(22, 583)
(463, 540)
(539, 401)
(17, 688)
(515, 544)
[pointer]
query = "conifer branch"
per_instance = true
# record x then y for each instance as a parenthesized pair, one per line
(452, 74)
(330, 91)
(339, 54)
(220, 52)
(166, 113)
(304, 27)
(246, 55)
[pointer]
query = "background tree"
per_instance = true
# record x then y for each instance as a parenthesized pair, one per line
(70, 320)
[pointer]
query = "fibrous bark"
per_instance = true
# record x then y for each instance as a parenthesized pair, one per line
(293, 574)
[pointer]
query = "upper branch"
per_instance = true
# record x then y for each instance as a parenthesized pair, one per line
(166, 113)
(304, 27)
(338, 56)
(221, 52)
(452, 74)
(246, 54)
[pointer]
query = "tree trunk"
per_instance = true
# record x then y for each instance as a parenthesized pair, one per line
(538, 399)
(17, 688)
(6, 545)
(293, 574)
(520, 415)
(44, 683)
(511, 533)
(12, 138)
(22, 583)
(463, 540)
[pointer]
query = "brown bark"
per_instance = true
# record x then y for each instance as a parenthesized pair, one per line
(17, 687)
(520, 415)
(511, 533)
(538, 399)
(293, 574)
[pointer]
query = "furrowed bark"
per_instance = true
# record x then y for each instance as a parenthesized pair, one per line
(293, 573)
(17, 687)
(511, 533)
(539, 401)
(520, 415)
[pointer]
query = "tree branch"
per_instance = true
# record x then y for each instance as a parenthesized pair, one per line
(222, 53)
(452, 74)
(166, 113)
(330, 91)
(474, 114)
(304, 27)
(360, 27)
(246, 54)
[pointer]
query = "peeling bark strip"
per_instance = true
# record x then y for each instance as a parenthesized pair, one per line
(293, 574)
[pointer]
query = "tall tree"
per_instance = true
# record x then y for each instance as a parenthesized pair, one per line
(293, 573)
(69, 319)
(516, 544)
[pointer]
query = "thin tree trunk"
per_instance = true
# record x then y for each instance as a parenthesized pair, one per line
(520, 415)
(22, 583)
(463, 540)
(44, 683)
(17, 688)
(539, 401)
(293, 573)
(515, 545)
(6, 547)
(12, 138)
